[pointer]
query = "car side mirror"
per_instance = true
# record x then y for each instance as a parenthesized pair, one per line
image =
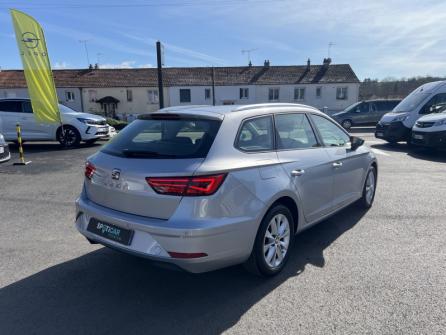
(356, 142)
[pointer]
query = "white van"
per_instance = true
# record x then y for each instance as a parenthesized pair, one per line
(77, 126)
(397, 125)
(430, 130)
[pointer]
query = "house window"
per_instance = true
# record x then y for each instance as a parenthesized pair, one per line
(244, 93)
(92, 95)
(129, 95)
(69, 96)
(185, 95)
(153, 96)
(273, 94)
(207, 93)
(342, 93)
(318, 92)
(299, 93)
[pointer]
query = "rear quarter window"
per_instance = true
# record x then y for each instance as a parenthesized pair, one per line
(256, 134)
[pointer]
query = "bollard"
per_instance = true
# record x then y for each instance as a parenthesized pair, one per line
(19, 140)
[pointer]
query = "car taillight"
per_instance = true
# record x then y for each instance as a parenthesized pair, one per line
(89, 170)
(186, 186)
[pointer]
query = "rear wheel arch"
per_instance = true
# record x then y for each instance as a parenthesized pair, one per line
(290, 203)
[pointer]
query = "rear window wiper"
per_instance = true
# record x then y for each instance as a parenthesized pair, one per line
(144, 153)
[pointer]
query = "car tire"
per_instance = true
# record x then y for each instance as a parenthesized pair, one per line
(71, 139)
(369, 189)
(273, 243)
(347, 124)
(91, 142)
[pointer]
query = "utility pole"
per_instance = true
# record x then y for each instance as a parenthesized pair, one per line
(84, 42)
(159, 59)
(213, 87)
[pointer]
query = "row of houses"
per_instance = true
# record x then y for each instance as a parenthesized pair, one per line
(124, 93)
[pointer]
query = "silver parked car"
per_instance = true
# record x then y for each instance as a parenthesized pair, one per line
(5, 155)
(205, 187)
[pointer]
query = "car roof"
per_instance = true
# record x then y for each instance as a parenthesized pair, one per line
(222, 110)
(14, 99)
(385, 100)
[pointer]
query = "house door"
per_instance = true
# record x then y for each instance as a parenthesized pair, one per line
(109, 110)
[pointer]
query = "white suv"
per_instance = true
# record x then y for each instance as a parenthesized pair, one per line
(77, 126)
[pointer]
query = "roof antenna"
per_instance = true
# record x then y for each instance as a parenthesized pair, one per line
(248, 51)
(329, 48)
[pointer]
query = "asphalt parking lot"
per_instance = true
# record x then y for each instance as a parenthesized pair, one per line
(381, 271)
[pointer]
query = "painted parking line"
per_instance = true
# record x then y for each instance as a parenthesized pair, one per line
(379, 152)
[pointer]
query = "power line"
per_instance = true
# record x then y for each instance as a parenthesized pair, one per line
(221, 3)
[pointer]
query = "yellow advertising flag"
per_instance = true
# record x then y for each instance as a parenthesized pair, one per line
(37, 68)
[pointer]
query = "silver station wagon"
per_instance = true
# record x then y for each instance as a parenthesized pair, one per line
(203, 187)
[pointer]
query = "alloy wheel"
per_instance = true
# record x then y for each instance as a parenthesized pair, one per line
(370, 187)
(276, 240)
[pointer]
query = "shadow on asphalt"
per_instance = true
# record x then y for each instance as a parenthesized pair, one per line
(428, 154)
(361, 130)
(106, 292)
(39, 147)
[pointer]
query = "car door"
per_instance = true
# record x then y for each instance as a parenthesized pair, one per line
(35, 130)
(306, 163)
(347, 166)
(383, 107)
(361, 113)
(374, 112)
(11, 114)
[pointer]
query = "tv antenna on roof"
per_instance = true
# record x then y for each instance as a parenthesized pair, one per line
(84, 42)
(248, 51)
(329, 48)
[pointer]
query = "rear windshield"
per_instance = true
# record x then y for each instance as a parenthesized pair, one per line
(171, 137)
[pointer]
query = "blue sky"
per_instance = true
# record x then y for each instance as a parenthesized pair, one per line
(381, 38)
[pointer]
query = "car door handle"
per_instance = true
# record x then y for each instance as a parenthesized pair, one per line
(297, 172)
(337, 165)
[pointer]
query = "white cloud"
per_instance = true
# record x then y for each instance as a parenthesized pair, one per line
(176, 49)
(127, 64)
(60, 65)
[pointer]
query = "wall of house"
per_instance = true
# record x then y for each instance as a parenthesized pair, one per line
(260, 94)
(327, 98)
(223, 95)
(75, 104)
(139, 104)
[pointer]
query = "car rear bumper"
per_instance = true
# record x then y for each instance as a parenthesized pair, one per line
(5, 155)
(435, 139)
(225, 243)
(392, 132)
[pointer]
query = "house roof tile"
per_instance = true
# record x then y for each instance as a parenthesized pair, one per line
(193, 76)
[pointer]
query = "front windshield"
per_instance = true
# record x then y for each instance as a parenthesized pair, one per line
(65, 110)
(352, 106)
(411, 101)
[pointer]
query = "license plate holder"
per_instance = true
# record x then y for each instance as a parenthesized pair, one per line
(110, 231)
(379, 134)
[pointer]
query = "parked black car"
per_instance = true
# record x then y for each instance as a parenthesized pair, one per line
(364, 113)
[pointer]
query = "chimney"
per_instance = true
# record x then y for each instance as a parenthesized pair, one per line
(308, 64)
(327, 61)
(266, 63)
(250, 64)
